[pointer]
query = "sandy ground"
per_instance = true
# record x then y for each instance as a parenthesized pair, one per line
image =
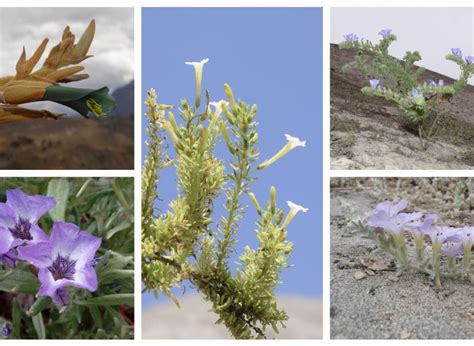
(384, 304)
(194, 321)
(372, 133)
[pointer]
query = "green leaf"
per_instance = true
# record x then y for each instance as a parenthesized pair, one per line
(39, 305)
(18, 281)
(38, 323)
(120, 227)
(111, 299)
(59, 189)
(16, 318)
(96, 316)
(115, 274)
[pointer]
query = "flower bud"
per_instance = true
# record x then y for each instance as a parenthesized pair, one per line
(230, 96)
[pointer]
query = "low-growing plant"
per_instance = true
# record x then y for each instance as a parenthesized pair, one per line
(45, 84)
(440, 251)
(399, 80)
(66, 258)
(189, 242)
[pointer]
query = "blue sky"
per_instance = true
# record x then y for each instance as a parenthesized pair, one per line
(271, 57)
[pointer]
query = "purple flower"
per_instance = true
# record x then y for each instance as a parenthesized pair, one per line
(6, 330)
(451, 248)
(387, 215)
(469, 60)
(417, 227)
(351, 37)
(64, 260)
(440, 234)
(464, 235)
(374, 83)
(385, 32)
(415, 92)
(19, 222)
(456, 52)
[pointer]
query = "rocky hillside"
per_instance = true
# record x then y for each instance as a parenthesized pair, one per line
(372, 133)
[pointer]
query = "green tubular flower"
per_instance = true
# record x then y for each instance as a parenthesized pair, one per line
(83, 101)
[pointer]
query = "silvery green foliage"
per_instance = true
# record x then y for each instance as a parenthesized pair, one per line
(439, 251)
(399, 80)
(189, 242)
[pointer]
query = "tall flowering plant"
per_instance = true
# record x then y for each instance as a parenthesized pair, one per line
(440, 251)
(189, 242)
(65, 266)
(399, 80)
(46, 83)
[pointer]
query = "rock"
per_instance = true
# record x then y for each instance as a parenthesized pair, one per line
(359, 275)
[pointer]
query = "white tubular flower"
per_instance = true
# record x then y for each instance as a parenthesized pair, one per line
(218, 106)
(198, 66)
(294, 209)
(293, 142)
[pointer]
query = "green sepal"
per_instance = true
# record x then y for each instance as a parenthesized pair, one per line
(83, 101)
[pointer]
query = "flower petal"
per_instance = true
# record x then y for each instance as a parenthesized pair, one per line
(38, 254)
(6, 240)
(49, 286)
(86, 247)
(29, 207)
(86, 278)
(7, 216)
(63, 238)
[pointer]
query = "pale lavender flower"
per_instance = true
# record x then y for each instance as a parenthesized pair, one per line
(374, 83)
(6, 330)
(456, 52)
(464, 235)
(387, 215)
(417, 227)
(439, 234)
(451, 248)
(441, 82)
(19, 218)
(385, 32)
(415, 93)
(469, 60)
(432, 83)
(351, 37)
(66, 259)
(455, 240)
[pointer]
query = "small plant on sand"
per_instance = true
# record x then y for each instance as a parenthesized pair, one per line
(44, 84)
(399, 80)
(189, 242)
(440, 251)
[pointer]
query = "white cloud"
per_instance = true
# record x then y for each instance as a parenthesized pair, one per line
(112, 64)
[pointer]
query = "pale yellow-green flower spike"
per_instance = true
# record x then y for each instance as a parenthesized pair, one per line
(198, 67)
(294, 209)
(292, 143)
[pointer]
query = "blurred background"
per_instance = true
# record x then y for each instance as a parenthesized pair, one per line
(431, 31)
(273, 58)
(72, 142)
